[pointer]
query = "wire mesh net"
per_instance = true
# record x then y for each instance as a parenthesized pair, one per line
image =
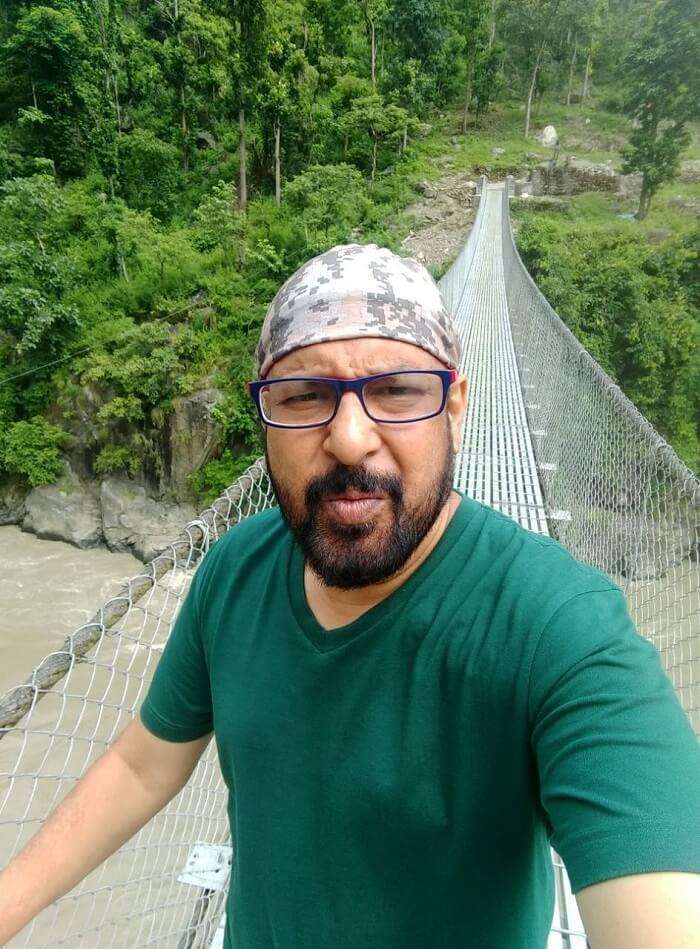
(55, 725)
(601, 493)
(617, 496)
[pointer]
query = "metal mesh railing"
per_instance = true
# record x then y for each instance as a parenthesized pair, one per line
(54, 726)
(616, 494)
(454, 281)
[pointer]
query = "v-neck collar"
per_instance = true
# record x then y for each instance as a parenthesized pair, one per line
(325, 640)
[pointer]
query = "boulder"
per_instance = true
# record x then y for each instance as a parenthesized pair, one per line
(11, 504)
(690, 171)
(548, 136)
(427, 189)
(67, 510)
(77, 415)
(132, 521)
(205, 140)
(647, 550)
(195, 436)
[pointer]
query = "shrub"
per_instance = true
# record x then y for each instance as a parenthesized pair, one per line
(213, 478)
(30, 449)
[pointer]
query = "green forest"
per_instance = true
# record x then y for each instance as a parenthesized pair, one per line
(166, 164)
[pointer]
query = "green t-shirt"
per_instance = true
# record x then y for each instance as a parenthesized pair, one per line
(398, 782)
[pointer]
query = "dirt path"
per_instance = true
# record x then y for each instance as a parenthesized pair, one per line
(443, 218)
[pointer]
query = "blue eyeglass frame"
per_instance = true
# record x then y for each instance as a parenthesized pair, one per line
(341, 386)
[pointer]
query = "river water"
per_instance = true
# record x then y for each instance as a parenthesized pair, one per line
(48, 589)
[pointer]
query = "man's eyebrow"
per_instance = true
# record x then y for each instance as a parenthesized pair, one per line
(401, 367)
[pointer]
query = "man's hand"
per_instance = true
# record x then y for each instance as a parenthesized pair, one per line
(643, 911)
(120, 793)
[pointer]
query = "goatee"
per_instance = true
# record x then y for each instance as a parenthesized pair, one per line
(350, 556)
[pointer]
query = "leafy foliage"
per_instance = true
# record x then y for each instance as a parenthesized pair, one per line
(663, 72)
(133, 269)
(31, 450)
(630, 305)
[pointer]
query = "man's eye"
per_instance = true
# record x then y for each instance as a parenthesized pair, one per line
(300, 397)
(394, 392)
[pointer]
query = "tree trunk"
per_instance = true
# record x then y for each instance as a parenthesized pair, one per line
(539, 96)
(278, 176)
(381, 56)
(532, 90)
(122, 266)
(405, 138)
(572, 66)
(468, 92)
(117, 104)
(644, 200)
(34, 95)
(586, 78)
(183, 126)
(242, 182)
(492, 31)
(374, 53)
(374, 157)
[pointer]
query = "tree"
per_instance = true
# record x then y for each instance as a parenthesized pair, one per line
(48, 65)
(247, 60)
(287, 87)
(531, 28)
(663, 74)
(330, 199)
(373, 11)
(420, 31)
(36, 322)
(220, 223)
(474, 26)
(147, 172)
(370, 116)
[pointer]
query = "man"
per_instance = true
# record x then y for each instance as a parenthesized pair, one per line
(411, 695)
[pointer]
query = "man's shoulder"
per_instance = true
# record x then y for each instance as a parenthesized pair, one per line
(538, 563)
(253, 534)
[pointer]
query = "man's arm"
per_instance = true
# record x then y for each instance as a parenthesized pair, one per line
(118, 794)
(643, 911)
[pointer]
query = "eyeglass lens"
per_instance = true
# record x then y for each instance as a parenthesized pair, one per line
(402, 397)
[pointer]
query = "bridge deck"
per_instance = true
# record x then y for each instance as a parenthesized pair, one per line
(496, 464)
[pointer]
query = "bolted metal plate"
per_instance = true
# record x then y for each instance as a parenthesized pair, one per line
(208, 866)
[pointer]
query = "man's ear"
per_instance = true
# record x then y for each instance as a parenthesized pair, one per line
(457, 409)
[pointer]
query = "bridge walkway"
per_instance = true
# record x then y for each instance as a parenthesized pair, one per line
(497, 463)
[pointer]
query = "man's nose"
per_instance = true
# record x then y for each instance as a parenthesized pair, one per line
(352, 435)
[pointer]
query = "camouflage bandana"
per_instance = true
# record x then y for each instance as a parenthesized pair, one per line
(358, 290)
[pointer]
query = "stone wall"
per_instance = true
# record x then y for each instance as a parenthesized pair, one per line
(573, 177)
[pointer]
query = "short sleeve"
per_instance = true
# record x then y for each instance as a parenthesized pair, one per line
(617, 760)
(178, 705)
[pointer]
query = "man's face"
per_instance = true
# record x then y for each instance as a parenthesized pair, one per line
(360, 496)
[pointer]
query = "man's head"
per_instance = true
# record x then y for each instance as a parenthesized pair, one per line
(360, 494)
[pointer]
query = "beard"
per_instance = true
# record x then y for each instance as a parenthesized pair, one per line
(350, 556)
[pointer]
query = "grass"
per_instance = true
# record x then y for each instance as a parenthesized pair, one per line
(591, 132)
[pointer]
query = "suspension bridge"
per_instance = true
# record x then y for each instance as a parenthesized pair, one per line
(549, 440)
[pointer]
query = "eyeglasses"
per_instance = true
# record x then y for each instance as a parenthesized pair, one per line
(388, 397)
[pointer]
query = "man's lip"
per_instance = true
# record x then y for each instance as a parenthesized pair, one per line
(354, 496)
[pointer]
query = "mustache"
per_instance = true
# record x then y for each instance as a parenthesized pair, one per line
(341, 479)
